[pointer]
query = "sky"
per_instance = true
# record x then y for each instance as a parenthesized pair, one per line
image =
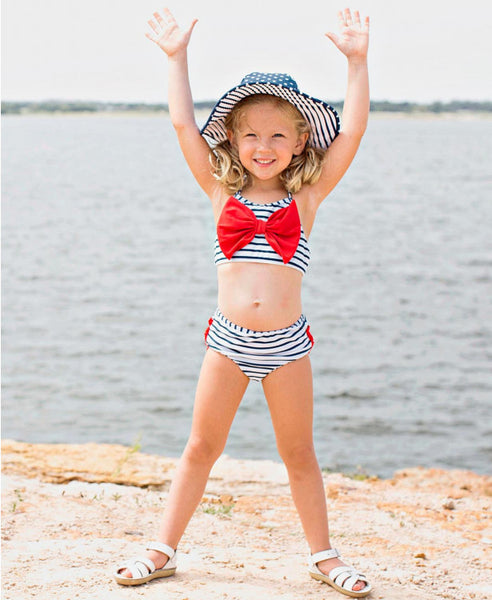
(420, 51)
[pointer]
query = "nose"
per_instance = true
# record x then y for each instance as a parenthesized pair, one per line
(264, 143)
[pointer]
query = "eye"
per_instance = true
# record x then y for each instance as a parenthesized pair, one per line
(278, 135)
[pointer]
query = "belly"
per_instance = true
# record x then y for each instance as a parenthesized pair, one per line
(259, 296)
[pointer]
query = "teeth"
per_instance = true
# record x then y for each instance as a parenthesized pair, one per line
(263, 161)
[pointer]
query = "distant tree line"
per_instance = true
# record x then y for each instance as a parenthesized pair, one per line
(60, 106)
(433, 107)
(69, 106)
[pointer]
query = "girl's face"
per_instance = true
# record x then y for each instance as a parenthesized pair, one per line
(266, 140)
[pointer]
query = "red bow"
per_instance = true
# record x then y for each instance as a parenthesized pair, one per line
(238, 226)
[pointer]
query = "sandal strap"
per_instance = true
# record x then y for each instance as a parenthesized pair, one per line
(138, 567)
(346, 577)
(349, 573)
(162, 548)
(324, 555)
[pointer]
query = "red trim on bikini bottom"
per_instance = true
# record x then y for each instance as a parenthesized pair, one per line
(210, 321)
(308, 333)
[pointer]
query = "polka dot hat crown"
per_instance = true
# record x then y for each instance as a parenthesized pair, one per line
(322, 118)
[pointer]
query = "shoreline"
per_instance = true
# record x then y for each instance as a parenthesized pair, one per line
(71, 512)
(462, 115)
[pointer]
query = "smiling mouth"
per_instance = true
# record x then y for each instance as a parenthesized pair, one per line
(264, 161)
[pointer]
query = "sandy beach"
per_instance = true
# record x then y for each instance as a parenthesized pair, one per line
(70, 513)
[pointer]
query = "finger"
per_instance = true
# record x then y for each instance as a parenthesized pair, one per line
(169, 15)
(357, 17)
(151, 37)
(333, 37)
(348, 17)
(366, 24)
(190, 28)
(154, 27)
(159, 19)
(341, 19)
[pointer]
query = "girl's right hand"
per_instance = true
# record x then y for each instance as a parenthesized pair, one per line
(167, 34)
(354, 38)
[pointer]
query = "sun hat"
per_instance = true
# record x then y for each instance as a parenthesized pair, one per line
(322, 118)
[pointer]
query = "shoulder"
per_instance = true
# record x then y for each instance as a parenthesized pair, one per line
(307, 204)
(218, 196)
(309, 197)
(336, 161)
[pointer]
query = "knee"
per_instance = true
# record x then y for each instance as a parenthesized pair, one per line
(299, 457)
(202, 450)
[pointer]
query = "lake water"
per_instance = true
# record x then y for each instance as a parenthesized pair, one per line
(108, 282)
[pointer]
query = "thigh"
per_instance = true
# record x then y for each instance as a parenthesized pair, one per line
(289, 393)
(219, 392)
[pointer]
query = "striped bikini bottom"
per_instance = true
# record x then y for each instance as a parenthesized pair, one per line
(258, 353)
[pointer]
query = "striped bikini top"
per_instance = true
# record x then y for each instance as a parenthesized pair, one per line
(263, 233)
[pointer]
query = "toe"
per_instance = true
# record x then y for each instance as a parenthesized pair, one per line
(325, 567)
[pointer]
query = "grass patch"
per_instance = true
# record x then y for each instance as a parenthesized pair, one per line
(221, 510)
(137, 446)
(359, 474)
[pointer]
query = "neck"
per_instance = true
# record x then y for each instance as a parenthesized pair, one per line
(270, 187)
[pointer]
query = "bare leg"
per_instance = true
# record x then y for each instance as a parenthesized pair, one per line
(289, 393)
(220, 389)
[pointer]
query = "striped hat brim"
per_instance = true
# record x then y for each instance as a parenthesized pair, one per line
(322, 118)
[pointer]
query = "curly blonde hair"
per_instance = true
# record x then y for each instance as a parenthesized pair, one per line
(304, 168)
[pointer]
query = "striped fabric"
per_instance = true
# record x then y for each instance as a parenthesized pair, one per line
(259, 250)
(323, 119)
(258, 353)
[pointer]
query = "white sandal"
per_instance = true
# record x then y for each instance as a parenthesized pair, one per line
(143, 569)
(342, 578)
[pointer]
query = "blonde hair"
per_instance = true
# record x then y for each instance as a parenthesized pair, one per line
(304, 168)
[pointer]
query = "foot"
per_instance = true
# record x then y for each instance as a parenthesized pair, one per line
(158, 558)
(325, 566)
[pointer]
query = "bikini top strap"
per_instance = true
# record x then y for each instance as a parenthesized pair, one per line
(239, 194)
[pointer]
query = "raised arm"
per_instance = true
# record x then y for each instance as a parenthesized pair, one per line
(353, 42)
(174, 42)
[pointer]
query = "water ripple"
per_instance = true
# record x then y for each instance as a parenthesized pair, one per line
(108, 283)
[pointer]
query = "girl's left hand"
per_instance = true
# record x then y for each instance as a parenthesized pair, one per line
(168, 35)
(353, 40)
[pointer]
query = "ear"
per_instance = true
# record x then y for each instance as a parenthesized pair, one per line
(301, 142)
(231, 138)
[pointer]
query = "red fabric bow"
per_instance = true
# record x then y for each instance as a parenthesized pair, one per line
(238, 226)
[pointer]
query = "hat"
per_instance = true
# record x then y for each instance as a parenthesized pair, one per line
(322, 118)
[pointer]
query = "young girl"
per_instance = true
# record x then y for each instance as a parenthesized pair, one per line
(267, 173)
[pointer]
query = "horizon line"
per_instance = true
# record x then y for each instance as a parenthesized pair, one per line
(213, 102)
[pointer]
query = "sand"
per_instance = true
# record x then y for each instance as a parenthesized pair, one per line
(70, 513)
